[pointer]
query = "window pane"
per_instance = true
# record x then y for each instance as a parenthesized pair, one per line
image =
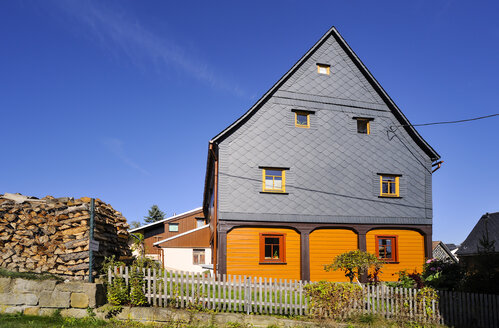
(271, 241)
(362, 126)
(277, 183)
(273, 172)
(275, 250)
(173, 227)
(392, 188)
(301, 119)
(388, 252)
(268, 251)
(385, 187)
(381, 251)
(269, 183)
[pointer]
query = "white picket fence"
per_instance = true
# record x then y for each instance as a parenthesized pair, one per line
(237, 293)
(226, 293)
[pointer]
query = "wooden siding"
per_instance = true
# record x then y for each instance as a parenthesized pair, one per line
(410, 252)
(325, 245)
(159, 232)
(243, 250)
(196, 239)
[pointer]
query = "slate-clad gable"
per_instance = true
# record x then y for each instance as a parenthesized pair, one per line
(333, 171)
(345, 80)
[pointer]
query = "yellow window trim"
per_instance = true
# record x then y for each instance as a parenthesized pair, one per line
(302, 125)
(368, 124)
(327, 67)
(397, 186)
(283, 184)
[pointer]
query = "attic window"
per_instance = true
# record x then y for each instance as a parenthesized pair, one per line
(323, 69)
(302, 119)
(363, 125)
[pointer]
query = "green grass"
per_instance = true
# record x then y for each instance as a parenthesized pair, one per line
(56, 321)
(28, 275)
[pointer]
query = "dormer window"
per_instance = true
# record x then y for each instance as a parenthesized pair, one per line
(323, 69)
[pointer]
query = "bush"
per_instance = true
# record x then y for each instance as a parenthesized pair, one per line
(330, 299)
(354, 262)
(408, 280)
(443, 275)
(117, 292)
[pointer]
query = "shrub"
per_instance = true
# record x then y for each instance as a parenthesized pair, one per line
(117, 292)
(354, 262)
(330, 299)
(441, 274)
(109, 262)
(407, 280)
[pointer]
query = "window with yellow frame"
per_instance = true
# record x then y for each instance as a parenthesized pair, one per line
(389, 185)
(323, 69)
(302, 119)
(363, 126)
(274, 180)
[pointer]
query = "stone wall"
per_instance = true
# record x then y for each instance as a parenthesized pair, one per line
(44, 297)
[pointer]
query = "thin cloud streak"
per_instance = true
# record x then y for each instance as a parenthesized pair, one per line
(115, 146)
(137, 41)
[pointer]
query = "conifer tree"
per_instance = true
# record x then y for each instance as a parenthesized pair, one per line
(155, 214)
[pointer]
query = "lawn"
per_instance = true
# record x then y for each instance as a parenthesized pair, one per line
(27, 321)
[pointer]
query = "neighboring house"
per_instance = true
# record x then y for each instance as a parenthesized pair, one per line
(180, 242)
(323, 163)
(453, 248)
(442, 252)
(482, 243)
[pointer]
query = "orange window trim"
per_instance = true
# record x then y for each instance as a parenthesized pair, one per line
(395, 248)
(282, 248)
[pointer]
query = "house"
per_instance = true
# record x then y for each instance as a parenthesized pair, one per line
(481, 247)
(442, 252)
(180, 242)
(324, 162)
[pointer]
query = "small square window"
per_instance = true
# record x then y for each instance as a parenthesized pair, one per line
(272, 248)
(386, 248)
(199, 222)
(389, 185)
(323, 69)
(198, 256)
(363, 126)
(274, 180)
(302, 119)
(173, 227)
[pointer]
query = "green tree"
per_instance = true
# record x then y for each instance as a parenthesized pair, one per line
(155, 214)
(134, 224)
(353, 263)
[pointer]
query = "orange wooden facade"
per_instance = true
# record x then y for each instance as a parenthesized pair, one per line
(410, 252)
(244, 252)
(325, 245)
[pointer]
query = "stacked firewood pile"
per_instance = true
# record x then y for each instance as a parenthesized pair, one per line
(52, 234)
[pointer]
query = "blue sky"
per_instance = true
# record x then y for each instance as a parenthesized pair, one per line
(118, 99)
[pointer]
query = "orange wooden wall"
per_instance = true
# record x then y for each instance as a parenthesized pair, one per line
(243, 254)
(325, 245)
(410, 252)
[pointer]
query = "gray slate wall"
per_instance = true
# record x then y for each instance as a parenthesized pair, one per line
(333, 169)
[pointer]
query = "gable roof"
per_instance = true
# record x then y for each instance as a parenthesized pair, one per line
(177, 216)
(488, 224)
(443, 248)
(391, 104)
